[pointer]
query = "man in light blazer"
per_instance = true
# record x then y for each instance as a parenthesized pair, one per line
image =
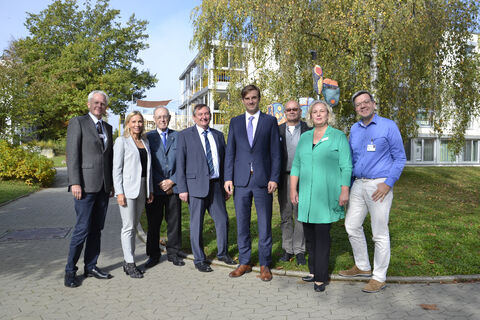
(163, 145)
(200, 160)
(252, 165)
(89, 165)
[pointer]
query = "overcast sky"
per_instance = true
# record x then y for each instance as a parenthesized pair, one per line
(169, 28)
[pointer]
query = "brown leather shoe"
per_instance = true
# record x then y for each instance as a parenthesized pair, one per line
(265, 273)
(241, 269)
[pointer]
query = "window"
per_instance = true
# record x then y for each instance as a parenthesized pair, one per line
(424, 150)
(446, 155)
(423, 119)
(470, 151)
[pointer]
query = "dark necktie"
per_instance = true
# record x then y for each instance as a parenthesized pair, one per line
(250, 130)
(208, 152)
(100, 132)
(164, 140)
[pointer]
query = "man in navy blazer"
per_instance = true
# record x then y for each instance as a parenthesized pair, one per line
(252, 165)
(163, 147)
(200, 161)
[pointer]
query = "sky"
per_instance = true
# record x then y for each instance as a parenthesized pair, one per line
(170, 32)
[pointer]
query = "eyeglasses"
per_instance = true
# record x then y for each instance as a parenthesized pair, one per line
(290, 110)
(363, 103)
(163, 117)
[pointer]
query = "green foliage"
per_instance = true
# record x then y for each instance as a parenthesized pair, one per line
(58, 145)
(16, 163)
(413, 55)
(70, 52)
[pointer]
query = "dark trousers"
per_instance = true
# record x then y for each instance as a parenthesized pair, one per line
(214, 202)
(243, 207)
(318, 248)
(91, 211)
(170, 207)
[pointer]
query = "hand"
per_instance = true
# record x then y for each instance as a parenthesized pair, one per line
(150, 198)
(228, 185)
(76, 191)
(121, 200)
(381, 192)
(344, 194)
(183, 196)
(227, 196)
(166, 184)
(169, 191)
(272, 186)
(294, 197)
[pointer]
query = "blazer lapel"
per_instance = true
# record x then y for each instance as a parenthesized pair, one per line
(169, 140)
(259, 128)
(93, 130)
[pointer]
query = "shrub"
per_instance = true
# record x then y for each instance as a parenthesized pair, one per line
(17, 163)
(58, 146)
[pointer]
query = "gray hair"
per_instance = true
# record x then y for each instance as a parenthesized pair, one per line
(94, 92)
(161, 107)
(331, 115)
(356, 94)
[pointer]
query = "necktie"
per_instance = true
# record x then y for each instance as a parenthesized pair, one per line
(250, 130)
(208, 152)
(164, 140)
(100, 132)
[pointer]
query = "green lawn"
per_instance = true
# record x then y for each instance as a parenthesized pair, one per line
(434, 226)
(10, 190)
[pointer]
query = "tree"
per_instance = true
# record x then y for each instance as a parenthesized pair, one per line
(69, 52)
(413, 55)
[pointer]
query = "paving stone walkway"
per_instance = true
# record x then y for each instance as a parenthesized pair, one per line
(31, 281)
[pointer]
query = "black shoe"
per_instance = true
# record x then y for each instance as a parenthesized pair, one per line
(301, 259)
(203, 267)
(319, 287)
(309, 278)
(71, 280)
(97, 273)
(286, 256)
(152, 262)
(131, 270)
(228, 260)
(177, 261)
(181, 254)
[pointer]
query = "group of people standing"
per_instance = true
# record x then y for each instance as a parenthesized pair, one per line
(312, 169)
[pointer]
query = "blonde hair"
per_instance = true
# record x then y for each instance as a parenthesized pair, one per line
(126, 131)
(331, 115)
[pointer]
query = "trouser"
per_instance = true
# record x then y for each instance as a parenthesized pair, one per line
(360, 203)
(293, 240)
(214, 202)
(318, 247)
(130, 217)
(91, 211)
(169, 206)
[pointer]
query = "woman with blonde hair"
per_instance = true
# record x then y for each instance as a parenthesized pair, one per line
(132, 180)
(321, 169)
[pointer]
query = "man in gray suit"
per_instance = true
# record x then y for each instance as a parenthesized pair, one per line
(89, 165)
(293, 240)
(163, 146)
(200, 161)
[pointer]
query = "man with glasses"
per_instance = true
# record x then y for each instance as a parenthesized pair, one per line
(293, 240)
(378, 159)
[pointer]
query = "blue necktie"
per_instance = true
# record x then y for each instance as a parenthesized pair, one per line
(164, 140)
(208, 152)
(250, 130)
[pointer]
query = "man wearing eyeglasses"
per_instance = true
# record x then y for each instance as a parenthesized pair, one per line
(378, 158)
(293, 240)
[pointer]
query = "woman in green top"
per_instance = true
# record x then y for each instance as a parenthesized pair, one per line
(322, 170)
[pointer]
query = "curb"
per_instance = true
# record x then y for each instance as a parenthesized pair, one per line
(335, 277)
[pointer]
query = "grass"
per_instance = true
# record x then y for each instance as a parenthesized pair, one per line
(434, 226)
(59, 161)
(10, 190)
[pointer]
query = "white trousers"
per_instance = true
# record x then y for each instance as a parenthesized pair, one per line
(130, 217)
(360, 203)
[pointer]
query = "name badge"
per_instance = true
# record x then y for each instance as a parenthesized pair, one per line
(324, 139)
(370, 147)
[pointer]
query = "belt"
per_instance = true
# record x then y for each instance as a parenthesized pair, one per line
(363, 178)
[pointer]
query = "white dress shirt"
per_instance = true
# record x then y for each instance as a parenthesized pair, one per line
(254, 121)
(95, 120)
(213, 149)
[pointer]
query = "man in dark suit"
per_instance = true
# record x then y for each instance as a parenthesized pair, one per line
(252, 165)
(200, 161)
(163, 147)
(89, 164)
(293, 240)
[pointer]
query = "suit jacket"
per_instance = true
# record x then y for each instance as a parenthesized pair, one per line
(283, 142)
(263, 156)
(127, 167)
(192, 167)
(88, 163)
(163, 161)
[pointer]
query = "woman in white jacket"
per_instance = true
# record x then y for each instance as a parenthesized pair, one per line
(132, 180)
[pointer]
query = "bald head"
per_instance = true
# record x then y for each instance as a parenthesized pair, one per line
(161, 116)
(293, 112)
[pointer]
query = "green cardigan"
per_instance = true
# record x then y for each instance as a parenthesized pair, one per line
(321, 172)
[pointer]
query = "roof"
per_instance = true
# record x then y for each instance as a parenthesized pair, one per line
(152, 104)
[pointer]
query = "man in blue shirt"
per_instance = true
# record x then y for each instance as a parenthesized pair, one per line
(378, 159)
